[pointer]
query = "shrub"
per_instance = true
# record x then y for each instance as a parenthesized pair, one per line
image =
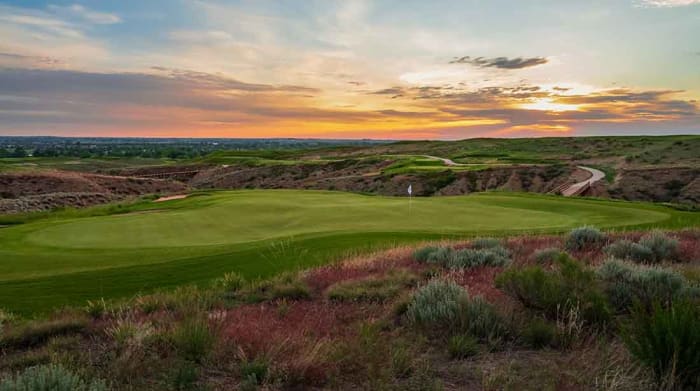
(422, 254)
(567, 286)
(668, 341)
(440, 256)
(482, 243)
(49, 378)
(38, 332)
(254, 372)
(539, 333)
(628, 250)
(626, 284)
(438, 303)
(6, 317)
(193, 339)
(480, 319)
(184, 376)
(547, 255)
(582, 237)
(462, 346)
(468, 258)
(230, 282)
(373, 289)
(662, 246)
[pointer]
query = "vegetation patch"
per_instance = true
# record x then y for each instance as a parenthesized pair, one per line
(373, 289)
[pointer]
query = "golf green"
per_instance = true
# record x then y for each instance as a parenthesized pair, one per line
(57, 261)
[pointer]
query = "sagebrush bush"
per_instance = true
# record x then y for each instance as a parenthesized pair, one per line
(38, 332)
(667, 339)
(462, 346)
(481, 243)
(193, 339)
(422, 254)
(583, 237)
(440, 256)
(661, 245)
(468, 258)
(569, 285)
(230, 282)
(49, 378)
(629, 250)
(436, 304)
(626, 284)
(373, 289)
(547, 255)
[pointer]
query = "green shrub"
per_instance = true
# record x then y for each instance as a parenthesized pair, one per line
(583, 237)
(230, 282)
(49, 378)
(38, 332)
(625, 284)
(193, 339)
(468, 258)
(462, 346)
(437, 304)
(569, 285)
(539, 333)
(547, 255)
(628, 250)
(480, 319)
(254, 372)
(184, 376)
(482, 243)
(662, 246)
(373, 289)
(422, 254)
(668, 341)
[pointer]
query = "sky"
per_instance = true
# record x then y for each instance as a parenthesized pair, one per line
(349, 69)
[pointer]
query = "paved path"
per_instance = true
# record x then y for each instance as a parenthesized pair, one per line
(580, 187)
(448, 162)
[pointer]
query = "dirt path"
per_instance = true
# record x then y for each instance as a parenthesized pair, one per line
(172, 197)
(448, 162)
(578, 188)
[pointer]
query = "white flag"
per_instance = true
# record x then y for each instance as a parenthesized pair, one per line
(410, 189)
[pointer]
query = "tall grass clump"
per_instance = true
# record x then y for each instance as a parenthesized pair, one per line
(423, 253)
(49, 378)
(229, 282)
(584, 237)
(626, 284)
(373, 289)
(568, 285)
(480, 319)
(629, 250)
(661, 245)
(194, 339)
(437, 304)
(667, 340)
(38, 332)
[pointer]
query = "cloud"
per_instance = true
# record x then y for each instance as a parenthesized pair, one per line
(666, 3)
(80, 12)
(15, 60)
(501, 62)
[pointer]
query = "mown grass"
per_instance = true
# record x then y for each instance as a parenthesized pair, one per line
(77, 255)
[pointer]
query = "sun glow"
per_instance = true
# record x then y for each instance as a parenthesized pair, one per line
(547, 104)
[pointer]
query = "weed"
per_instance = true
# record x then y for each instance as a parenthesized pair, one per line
(547, 255)
(255, 371)
(662, 246)
(229, 282)
(423, 254)
(468, 258)
(628, 250)
(539, 333)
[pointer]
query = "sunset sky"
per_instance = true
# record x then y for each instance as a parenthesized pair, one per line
(349, 69)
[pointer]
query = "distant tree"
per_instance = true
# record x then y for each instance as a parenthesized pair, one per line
(19, 152)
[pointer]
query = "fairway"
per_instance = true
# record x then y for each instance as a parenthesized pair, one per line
(56, 261)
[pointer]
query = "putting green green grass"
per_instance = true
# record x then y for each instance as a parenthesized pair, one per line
(65, 260)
